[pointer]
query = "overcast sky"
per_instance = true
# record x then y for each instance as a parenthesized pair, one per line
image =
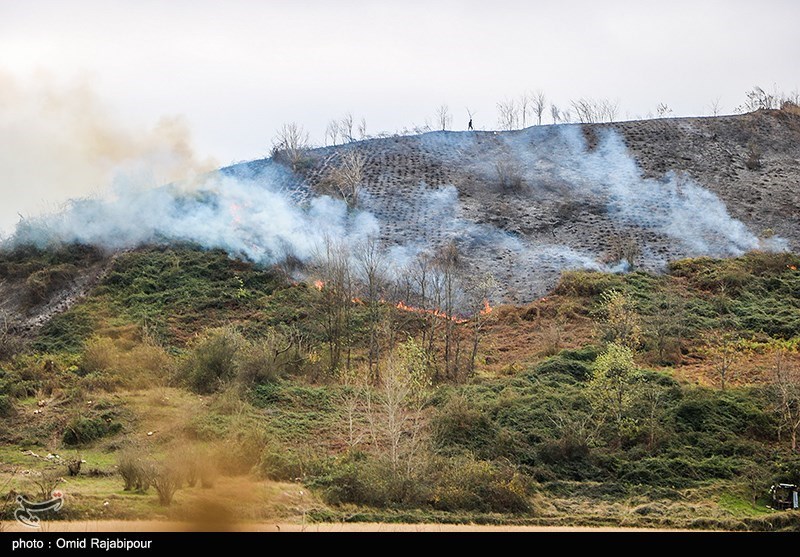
(228, 73)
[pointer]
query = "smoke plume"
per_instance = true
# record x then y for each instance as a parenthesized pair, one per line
(253, 218)
(59, 142)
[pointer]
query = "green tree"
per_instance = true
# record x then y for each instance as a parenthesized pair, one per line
(621, 323)
(614, 387)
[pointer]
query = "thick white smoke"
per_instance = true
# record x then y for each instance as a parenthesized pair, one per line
(253, 218)
(60, 141)
(675, 205)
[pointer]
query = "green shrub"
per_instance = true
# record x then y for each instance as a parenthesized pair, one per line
(212, 360)
(587, 283)
(577, 369)
(85, 430)
(464, 484)
(461, 424)
(6, 406)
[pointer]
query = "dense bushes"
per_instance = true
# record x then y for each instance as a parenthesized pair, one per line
(221, 356)
(457, 483)
(85, 430)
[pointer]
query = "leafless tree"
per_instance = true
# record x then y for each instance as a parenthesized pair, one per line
(715, 106)
(662, 110)
(291, 144)
(372, 270)
(722, 351)
(470, 114)
(758, 99)
(345, 179)
(479, 292)
(353, 399)
(443, 117)
(332, 132)
(589, 111)
(362, 128)
(332, 263)
(539, 105)
(555, 113)
(666, 326)
(785, 382)
(586, 111)
(508, 115)
(447, 263)
(609, 110)
(346, 127)
(524, 104)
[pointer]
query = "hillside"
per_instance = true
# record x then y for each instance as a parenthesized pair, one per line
(635, 361)
(526, 204)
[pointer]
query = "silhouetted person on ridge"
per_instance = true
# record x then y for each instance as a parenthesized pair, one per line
(469, 126)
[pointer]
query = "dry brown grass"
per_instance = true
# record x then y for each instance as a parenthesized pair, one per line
(520, 336)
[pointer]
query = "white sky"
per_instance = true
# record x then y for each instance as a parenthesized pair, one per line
(236, 70)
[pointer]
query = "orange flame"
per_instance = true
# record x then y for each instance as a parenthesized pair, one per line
(792, 267)
(319, 284)
(487, 309)
(357, 300)
(435, 312)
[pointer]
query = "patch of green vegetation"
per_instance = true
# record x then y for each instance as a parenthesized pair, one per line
(66, 332)
(181, 290)
(86, 430)
(740, 506)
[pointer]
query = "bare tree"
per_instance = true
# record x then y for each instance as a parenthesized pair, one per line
(507, 115)
(539, 104)
(666, 326)
(352, 398)
(291, 144)
(478, 295)
(758, 99)
(372, 268)
(332, 262)
(586, 111)
(346, 127)
(332, 132)
(471, 114)
(662, 110)
(555, 113)
(443, 117)
(362, 128)
(589, 111)
(344, 179)
(785, 383)
(609, 110)
(446, 264)
(715, 106)
(722, 351)
(524, 103)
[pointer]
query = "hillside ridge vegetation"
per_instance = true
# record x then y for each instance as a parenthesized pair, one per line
(661, 400)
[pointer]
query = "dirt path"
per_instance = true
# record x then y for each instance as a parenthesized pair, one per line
(163, 526)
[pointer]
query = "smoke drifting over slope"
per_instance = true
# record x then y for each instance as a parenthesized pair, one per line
(264, 213)
(674, 206)
(256, 219)
(58, 142)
